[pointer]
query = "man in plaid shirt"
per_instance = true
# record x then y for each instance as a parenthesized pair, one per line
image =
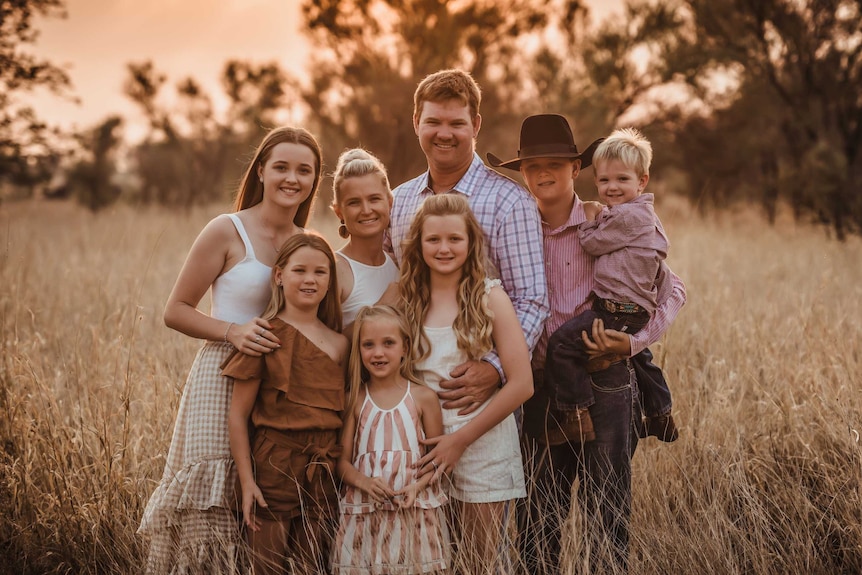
(446, 119)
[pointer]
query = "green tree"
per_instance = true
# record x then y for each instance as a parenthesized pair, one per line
(91, 179)
(26, 155)
(602, 75)
(190, 155)
(796, 107)
(369, 55)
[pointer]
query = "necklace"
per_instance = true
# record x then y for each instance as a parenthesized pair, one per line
(271, 236)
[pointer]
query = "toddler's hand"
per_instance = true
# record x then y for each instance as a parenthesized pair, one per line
(592, 210)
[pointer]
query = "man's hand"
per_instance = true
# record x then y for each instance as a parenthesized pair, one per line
(472, 384)
(606, 341)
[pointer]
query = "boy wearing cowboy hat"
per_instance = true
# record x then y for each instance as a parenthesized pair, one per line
(603, 423)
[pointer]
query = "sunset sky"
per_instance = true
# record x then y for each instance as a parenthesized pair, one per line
(182, 37)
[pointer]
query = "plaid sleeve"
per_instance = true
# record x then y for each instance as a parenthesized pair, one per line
(520, 262)
(664, 315)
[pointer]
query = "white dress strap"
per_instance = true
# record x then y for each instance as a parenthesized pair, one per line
(237, 223)
(491, 283)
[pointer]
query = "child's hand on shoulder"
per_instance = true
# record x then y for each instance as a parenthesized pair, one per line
(592, 210)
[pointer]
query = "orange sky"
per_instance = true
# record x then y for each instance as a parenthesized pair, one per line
(182, 37)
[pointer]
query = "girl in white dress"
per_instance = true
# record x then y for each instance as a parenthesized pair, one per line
(391, 522)
(457, 314)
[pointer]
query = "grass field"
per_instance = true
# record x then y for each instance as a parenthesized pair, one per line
(764, 363)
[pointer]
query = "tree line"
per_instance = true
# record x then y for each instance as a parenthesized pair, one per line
(752, 101)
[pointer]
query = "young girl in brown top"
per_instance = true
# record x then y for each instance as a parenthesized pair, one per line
(295, 396)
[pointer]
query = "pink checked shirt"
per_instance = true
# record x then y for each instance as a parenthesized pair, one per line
(570, 273)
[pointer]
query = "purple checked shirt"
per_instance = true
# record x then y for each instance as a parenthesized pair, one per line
(571, 279)
(513, 234)
(629, 244)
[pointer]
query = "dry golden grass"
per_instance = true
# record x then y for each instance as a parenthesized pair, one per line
(765, 478)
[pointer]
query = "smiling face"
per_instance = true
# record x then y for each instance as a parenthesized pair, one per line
(304, 278)
(617, 183)
(381, 346)
(288, 175)
(364, 205)
(445, 243)
(446, 132)
(550, 179)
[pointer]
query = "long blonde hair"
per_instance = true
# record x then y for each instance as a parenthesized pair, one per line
(329, 309)
(358, 376)
(473, 323)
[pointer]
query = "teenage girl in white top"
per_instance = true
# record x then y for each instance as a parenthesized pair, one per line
(362, 200)
(188, 517)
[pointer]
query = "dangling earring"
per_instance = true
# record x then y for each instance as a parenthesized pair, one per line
(342, 231)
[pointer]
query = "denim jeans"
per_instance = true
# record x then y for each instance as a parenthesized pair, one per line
(654, 391)
(566, 377)
(603, 468)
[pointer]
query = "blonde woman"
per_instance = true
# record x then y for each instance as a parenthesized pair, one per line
(362, 201)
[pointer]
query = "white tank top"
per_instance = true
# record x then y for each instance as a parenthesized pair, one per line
(242, 292)
(369, 283)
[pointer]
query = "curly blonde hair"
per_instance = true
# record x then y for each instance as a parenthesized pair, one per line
(474, 322)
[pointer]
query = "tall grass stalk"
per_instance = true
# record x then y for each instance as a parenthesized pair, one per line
(764, 364)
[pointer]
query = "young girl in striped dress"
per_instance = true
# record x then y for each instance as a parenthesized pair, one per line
(391, 522)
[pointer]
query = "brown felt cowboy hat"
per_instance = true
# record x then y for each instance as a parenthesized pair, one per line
(546, 136)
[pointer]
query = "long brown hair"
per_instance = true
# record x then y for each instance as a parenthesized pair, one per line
(474, 321)
(329, 309)
(250, 190)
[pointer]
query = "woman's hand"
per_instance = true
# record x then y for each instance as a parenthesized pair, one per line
(253, 338)
(441, 460)
(377, 489)
(250, 497)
